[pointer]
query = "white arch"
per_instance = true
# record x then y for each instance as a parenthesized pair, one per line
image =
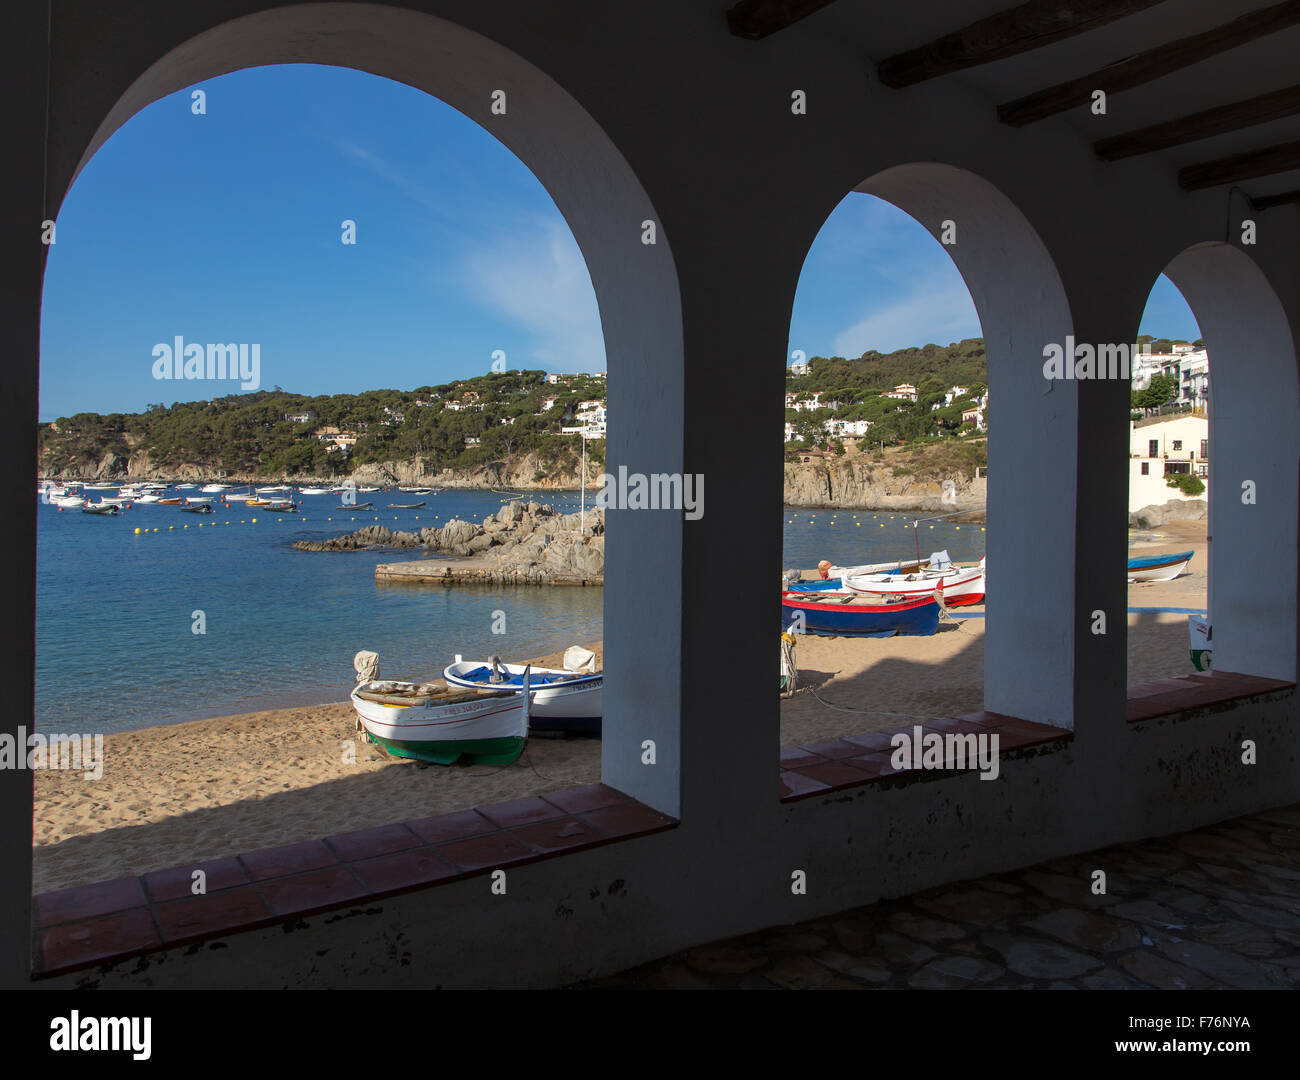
(1022, 306)
(636, 289)
(1254, 439)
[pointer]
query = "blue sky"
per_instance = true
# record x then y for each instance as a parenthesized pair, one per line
(226, 227)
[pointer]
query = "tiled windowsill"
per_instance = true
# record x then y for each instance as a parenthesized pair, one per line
(111, 921)
(1167, 696)
(815, 769)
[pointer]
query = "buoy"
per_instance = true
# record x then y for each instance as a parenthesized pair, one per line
(170, 527)
(254, 521)
(137, 531)
(184, 526)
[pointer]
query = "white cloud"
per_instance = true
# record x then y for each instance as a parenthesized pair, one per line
(938, 311)
(540, 284)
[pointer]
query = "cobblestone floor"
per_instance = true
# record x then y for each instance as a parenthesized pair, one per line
(1218, 908)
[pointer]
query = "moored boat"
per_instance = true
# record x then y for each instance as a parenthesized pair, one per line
(563, 700)
(358, 506)
(406, 506)
(106, 510)
(960, 585)
(440, 725)
(280, 506)
(850, 614)
(170, 502)
(313, 491)
(1158, 567)
(197, 508)
(214, 488)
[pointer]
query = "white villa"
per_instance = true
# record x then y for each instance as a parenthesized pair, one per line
(901, 392)
(1162, 446)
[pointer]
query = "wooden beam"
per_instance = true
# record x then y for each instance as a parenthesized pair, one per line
(1228, 170)
(1153, 64)
(756, 19)
(1202, 125)
(1264, 202)
(1008, 33)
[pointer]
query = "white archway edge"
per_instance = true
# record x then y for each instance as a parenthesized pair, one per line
(1254, 439)
(1029, 638)
(636, 288)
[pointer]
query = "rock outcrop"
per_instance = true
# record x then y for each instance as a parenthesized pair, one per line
(852, 482)
(1173, 510)
(522, 543)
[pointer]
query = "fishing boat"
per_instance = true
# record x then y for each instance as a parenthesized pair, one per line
(278, 489)
(1158, 567)
(313, 491)
(198, 501)
(185, 487)
(850, 614)
(101, 508)
(114, 500)
(406, 506)
(197, 508)
(432, 723)
(281, 506)
(148, 498)
(214, 488)
(416, 491)
(170, 502)
(960, 585)
(67, 501)
(367, 490)
(563, 700)
(357, 506)
(816, 585)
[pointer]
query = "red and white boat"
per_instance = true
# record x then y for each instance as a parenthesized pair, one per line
(961, 584)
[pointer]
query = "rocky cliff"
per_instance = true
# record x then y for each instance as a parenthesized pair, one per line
(861, 484)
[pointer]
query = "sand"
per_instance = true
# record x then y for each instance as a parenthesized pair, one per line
(174, 795)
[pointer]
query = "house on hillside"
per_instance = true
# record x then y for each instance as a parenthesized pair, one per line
(1161, 446)
(901, 392)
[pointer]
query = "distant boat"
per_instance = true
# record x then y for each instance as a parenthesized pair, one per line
(238, 496)
(562, 701)
(430, 723)
(280, 506)
(960, 585)
(170, 502)
(849, 614)
(100, 487)
(198, 501)
(214, 488)
(405, 506)
(185, 487)
(148, 498)
(357, 506)
(197, 508)
(313, 491)
(278, 489)
(367, 490)
(416, 491)
(1158, 567)
(67, 501)
(101, 508)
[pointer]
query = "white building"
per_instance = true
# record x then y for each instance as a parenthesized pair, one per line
(901, 392)
(1189, 365)
(799, 370)
(1165, 446)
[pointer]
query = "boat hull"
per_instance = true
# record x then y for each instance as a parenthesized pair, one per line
(958, 588)
(487, 730)
(834, 619)
(1158, 567)
(573, 707)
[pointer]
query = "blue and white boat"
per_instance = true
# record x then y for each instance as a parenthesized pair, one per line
(850, 614)
(1158, 567)
(568, 701)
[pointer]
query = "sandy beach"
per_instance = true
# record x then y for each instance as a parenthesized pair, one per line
(181, 793)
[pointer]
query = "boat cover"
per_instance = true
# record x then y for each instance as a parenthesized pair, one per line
(367, 666)
(483, 674)
(576, 658)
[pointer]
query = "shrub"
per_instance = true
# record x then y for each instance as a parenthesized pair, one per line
(1187, 483)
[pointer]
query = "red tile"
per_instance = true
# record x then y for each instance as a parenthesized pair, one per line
(520, 812)
(634, 819)
(88, 901)
(795, 785)
(369, 843)
(878, 764)
(315, 891)
(109, 937)
(404, 870)
(794, 756)
(835, 748)
(872, 741)
(447, 827)
(179, 881)
(495, 849)
(558, 835)
(1151, 689)
(198, 917)
(290, 859)
(589, 797)
(835, 775)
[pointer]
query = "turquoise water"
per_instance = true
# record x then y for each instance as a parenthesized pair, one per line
(115, 647)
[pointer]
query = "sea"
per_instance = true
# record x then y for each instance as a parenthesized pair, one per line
(195, 616)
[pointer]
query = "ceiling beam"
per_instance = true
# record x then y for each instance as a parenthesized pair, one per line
(1008, 33)
(1228, 170)
(1264, 202)
(756, 19)
(1201, 125)
(1145, 67)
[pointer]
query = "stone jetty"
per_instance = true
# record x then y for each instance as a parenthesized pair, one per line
(523, 544)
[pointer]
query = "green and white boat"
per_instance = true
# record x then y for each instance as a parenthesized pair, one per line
(430, 722)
